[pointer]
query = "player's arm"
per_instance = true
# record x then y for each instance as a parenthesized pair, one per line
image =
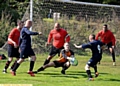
(67, 38)
(31, 33)
(49, 39)
(97, 35)
(83, 46)
(80, 46)
(11, 35)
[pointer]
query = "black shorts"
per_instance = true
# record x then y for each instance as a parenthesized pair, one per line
(109, 45)
(92, 62)
(55, 51)
(25, 52)
(13, 52)
(59, 64)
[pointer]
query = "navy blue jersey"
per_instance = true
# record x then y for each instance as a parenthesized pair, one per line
(25, 39)
(95, 47)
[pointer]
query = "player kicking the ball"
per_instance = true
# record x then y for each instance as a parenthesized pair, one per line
(66, 55)
(96, 48)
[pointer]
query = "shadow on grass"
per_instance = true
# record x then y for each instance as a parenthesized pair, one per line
(113, 80)
(69, 74)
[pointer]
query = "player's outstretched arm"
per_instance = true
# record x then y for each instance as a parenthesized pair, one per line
(80, 46)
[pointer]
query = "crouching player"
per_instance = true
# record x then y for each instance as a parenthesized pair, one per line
(66, 55)
(96, 48)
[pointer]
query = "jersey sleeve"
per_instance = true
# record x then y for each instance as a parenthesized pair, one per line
(67, 38)
(97, 35)
(84, 46)
(11, 35)
(30, 32)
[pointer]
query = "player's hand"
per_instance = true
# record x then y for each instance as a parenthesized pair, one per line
(46, 44)
(15, 45)
(19, 50)
(75, 45)
(40, 33)
(113, 47)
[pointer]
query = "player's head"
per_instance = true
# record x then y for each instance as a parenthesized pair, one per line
(20, 24)
(57, 26)
(66, 46)
(28, 23)
(105, 27)
(91, 37)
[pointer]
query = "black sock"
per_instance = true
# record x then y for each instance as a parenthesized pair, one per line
(113, 56)
(40, 69)
(46, 62)
(89, 73)
(31, 65)
(95, 68)
(13, 64)
(7, 64)
(64, 68)
(15, 67)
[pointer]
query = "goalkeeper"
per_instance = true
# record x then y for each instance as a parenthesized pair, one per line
(66, 55)
(96, 48)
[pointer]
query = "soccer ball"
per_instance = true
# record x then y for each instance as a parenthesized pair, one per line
(74, 62)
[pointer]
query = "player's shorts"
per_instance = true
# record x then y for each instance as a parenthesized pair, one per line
(13, 52)
(109, 45)
(55, 51)
(59, 64)
(92, 62)
(25, 52)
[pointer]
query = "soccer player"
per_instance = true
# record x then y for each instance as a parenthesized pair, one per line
(13, 45)
(95, 46)
(25, 48)
(66, 54)
(57, 37)
(107, 37)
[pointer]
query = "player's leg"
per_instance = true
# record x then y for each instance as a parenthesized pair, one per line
(96, 72)
(17, 55)
(7, 64)
(13, 71)
(113, 55)
(21, 59)
(50, 64)
(111, 49)
(10, 57)
(65, 67)
(32, 61)
(87, 68)
(52, 53)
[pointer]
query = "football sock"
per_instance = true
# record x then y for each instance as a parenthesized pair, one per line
(15, 67)
(7, 64)
(40, 69)
(31, 65)
(46, 62)
(65, 68)
(89, 73)
(95, 68)
(113, 56)
(13, 64)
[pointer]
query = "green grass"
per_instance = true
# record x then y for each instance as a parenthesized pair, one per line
(75, 75)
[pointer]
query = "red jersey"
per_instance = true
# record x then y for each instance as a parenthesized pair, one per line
(58, 37)
(106, 37)
(14, 35)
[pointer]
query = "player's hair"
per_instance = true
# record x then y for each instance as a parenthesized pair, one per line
(93, 36)
(19, 21)
(105, 25)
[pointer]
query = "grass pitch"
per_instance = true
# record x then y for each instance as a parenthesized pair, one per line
(109, 75)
